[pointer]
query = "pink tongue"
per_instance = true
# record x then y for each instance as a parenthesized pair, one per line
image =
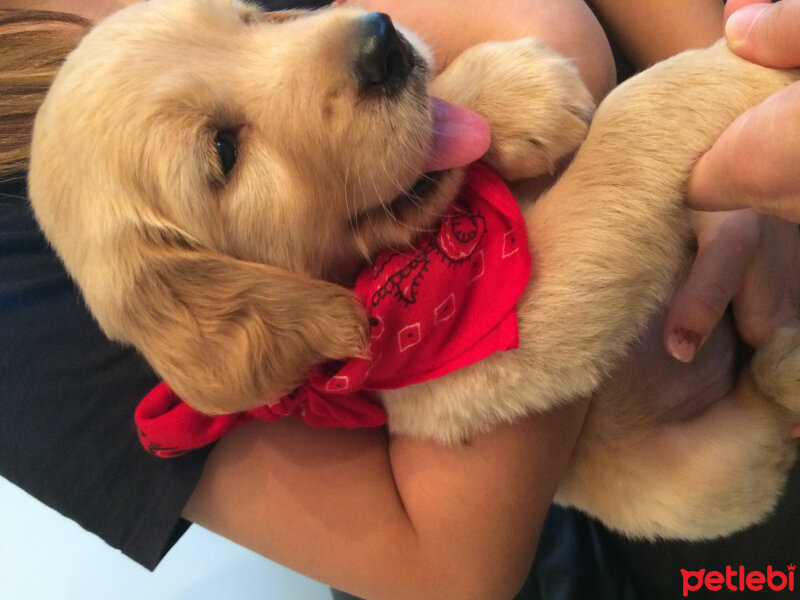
(460, 137)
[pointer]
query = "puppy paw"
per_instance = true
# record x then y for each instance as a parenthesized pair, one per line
(536, 104)
(776, 367)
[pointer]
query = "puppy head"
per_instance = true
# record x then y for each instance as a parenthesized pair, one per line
(203, 168)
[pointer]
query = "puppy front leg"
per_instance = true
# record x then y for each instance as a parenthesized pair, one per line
(536, 103)
(610, 236)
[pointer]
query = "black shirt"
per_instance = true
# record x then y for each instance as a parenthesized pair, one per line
(67, 396)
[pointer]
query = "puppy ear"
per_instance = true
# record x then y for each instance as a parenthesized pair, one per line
(230, 335)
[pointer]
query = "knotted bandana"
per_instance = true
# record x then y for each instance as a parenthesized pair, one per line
(444, 304)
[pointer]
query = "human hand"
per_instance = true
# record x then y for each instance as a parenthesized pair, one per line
(754, 162)
(743, 257)
(763, 32)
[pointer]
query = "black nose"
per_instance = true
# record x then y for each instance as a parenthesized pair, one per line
(382, 58)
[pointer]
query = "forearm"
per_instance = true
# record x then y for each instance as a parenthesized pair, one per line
(478, 510)
(405, 519)
(651, 30)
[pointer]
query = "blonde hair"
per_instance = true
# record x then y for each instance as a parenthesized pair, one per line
(33, 45)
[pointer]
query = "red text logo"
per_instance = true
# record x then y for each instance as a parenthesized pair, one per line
(738, 580)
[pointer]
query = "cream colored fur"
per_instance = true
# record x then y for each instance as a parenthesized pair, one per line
(229, 285)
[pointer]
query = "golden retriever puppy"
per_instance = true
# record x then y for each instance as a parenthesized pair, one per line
(213, 177)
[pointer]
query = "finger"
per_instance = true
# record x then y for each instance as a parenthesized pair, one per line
(754, 161)
(769, 296)
(711, 184)
(766, 33)
(731, 6)
(726, 245)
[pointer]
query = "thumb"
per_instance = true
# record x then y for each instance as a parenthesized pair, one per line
(753, 163)
(767, 34)
(731, 6)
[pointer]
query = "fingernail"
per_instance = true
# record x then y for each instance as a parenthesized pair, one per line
(741, 22)
(683, 344)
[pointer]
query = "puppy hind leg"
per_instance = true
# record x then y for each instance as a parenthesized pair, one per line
(776, 368)
(700, 479)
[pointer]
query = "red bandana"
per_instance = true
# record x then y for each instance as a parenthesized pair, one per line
(444, 305)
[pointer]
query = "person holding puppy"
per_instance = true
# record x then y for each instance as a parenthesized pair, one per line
(415, 518)
(380, 517)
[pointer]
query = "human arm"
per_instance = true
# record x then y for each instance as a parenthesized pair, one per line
(451, 26)
(652, 30)
(390, 518)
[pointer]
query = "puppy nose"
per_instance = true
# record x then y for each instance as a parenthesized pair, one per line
(383, 59)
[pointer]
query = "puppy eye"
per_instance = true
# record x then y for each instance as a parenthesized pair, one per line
(286, 15)
(225, 145)
(252, 16)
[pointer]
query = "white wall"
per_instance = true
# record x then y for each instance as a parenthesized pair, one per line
(43, 556)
